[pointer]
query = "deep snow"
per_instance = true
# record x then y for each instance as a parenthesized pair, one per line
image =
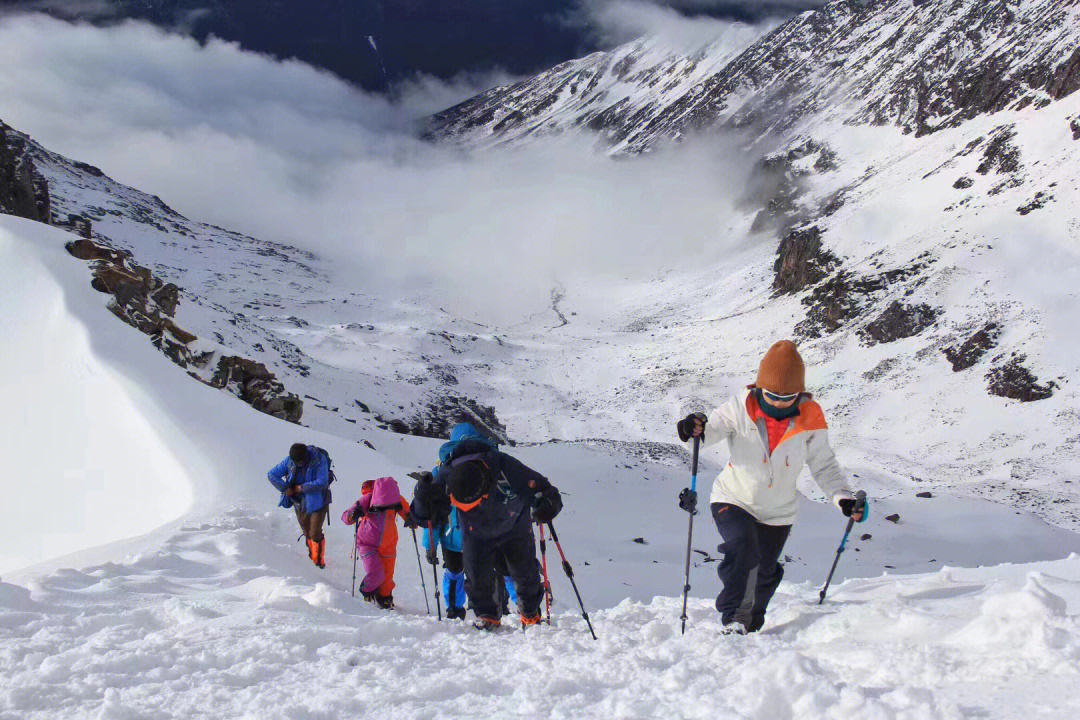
(219, 614)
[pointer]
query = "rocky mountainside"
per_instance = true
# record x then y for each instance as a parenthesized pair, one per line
(921, 65)
(24, 192)
(232, 306)
(913, 189)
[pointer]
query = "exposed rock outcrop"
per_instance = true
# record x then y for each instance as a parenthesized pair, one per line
(443, 413)
(139, 298)
(24, 192)
(1013, 380)
(898, 321)
(254, 384)
(1001, 153)
(970, 351)
(844, 296)
(801, 261)
(148, 303)
(1036, 203)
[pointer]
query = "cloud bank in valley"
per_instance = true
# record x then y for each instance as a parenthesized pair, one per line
(291, 154)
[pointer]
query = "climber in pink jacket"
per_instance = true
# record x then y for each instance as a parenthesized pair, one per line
(377, 537)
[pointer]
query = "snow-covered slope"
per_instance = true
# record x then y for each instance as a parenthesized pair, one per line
(218, 613)
(920, 65)
(915, 165)
(900, 248)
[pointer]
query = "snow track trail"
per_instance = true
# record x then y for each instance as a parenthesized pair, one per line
(227, 620)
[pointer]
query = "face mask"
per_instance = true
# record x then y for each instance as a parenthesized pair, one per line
(772, 411)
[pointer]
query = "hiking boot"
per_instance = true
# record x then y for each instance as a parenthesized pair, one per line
(530, 620)
(321, 553)
(368, 596)
(455, 613)
(386, 602)
(733, 628)
(487, 624)
(313, 551)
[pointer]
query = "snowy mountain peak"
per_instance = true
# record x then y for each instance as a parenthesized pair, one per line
(922, 66)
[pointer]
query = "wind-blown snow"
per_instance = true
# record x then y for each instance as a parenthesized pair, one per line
(86, 458)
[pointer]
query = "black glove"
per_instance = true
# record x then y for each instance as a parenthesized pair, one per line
(850, 506)
(688, 501)
(357, 513)
(410, 522)
(432, 499)
(548, 504)
(687, 426)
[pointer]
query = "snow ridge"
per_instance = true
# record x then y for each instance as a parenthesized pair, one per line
(922, 66)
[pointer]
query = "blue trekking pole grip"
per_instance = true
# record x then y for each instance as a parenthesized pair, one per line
(690, 531)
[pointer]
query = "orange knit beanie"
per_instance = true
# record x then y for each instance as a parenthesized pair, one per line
(782, 370)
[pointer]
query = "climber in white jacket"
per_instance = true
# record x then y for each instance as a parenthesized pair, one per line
(773, 429)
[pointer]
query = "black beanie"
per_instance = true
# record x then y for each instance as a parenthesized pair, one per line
(468, 481)
(298, 453)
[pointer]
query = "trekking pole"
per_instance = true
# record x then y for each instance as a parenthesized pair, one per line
(356, 536)
(860, 504)
(690, 531)
(547, 580)
(420, 566)
(434, 563)
(570, 574)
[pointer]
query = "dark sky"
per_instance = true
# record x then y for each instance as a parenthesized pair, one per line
(435, 37)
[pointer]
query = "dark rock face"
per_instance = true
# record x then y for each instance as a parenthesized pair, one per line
(258, 387)
(149, 304)
(86, 249)
(140, 299)
(1037, 203)
(845, 296)
(971, 350)
(443, 413)
(899, 321)
(1065, 80)
(830, 305)
(963, 183)
(23, 191)
(1074, 125)
(1001, 154)
(167, 298)
(801, 261)
(1014, 381)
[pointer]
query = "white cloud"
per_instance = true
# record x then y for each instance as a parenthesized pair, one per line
(287, 153)
(685, 26)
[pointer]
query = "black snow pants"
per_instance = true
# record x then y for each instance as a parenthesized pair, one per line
(518, 550)
(751, 568)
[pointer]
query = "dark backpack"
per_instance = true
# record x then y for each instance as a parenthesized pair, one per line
(331, 477)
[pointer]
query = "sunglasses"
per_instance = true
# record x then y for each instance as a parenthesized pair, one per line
(779, 398)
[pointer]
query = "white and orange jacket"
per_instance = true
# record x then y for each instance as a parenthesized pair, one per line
(764, 483)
